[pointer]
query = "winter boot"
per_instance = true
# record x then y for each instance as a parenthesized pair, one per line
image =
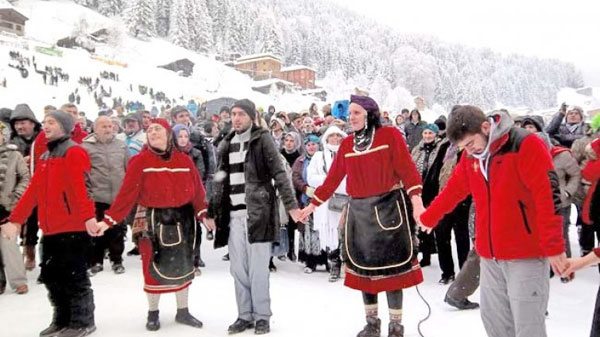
(51, 330)
(372, 329)
(153, 324)
(335, 268)
(76, 332)
(463, 304)
(272, 267)
(133, 252)
(29, 258)
(184, 317)
(262, 327)
(395, 330)
(118, 268)
(240, 325)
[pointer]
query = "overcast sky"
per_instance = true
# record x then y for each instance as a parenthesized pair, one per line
(565, 29)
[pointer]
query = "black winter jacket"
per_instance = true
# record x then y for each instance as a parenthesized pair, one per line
(263, 172)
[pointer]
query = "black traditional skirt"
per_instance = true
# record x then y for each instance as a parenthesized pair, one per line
(379, 236)
(168, 249)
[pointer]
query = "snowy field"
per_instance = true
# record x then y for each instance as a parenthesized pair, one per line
(303, 305)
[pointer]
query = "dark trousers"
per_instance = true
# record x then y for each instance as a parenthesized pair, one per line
(566, 215)
(2, 275)
(457, 221)
(587, 236)
(197, 256)
(113, 240)
(467, 280)
(596, 319)
(291, 230)
(64, 272)
(29, 232)
(394, 299)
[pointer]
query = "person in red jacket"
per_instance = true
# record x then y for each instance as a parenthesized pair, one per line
(40, 144)
(166, 182)
(509, 174)
(65, 211)
(591, 216)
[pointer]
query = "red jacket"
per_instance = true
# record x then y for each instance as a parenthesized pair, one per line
(517, 210)
(40, 145)
(591, 173)
(58, 189)
(152, 181)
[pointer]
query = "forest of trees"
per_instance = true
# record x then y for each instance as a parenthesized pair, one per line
(347, 48)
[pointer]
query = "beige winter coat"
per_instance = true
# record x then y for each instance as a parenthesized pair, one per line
(14, 176)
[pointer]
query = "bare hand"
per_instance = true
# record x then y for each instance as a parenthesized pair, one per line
(307, 211)
(210, 224)
(559, 263)
(92, 227)
(10, 230)
(577, 263)
(418, 208)
(102, 227)
(296, 215)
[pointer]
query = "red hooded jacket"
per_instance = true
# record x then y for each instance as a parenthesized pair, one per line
(591, 173)
(517, 208)
(58, 190)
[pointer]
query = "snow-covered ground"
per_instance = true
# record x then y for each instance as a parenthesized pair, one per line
(303, 305)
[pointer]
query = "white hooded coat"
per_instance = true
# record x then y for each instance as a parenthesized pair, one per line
(325, 221)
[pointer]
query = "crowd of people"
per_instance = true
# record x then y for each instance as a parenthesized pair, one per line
(352, 191)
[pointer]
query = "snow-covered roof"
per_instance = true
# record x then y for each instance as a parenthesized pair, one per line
(297, 67)
(271, 81)
(257, 57)
(4, 4)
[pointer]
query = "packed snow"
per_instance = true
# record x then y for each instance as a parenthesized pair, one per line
(303, 305)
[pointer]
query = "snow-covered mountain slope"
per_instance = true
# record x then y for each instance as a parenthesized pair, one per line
(50, 21)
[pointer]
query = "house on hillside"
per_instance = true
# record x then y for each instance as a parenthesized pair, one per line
(183, 67)
(11, 19)
(301, 75)
(318, 93)
(272, 85)
(259, 66)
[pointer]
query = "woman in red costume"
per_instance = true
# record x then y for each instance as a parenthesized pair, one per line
(379, 233)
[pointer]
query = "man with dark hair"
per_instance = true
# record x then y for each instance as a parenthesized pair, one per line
(509, 174)
(245, 209)
(66, 212)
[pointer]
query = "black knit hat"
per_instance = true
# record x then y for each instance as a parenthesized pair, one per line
(246, 105)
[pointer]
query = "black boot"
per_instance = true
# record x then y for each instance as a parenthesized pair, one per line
(463, 304)
(51, 330)
(76, 332)
(240, 325)
(336, 266)
(372, 329)
(395, 330)
(184, 317)
(262, 327)
(153, 324)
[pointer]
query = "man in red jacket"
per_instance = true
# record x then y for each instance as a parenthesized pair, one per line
(510, 175)
(65, 211)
